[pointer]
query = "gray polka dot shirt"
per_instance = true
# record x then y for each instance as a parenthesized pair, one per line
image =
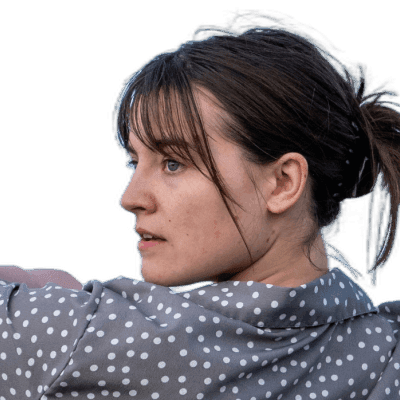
(130, 339)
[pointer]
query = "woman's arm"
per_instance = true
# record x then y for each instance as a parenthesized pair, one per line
(62, 278)
(37, 278)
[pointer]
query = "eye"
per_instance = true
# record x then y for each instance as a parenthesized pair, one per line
(173, 162)
(133, 163)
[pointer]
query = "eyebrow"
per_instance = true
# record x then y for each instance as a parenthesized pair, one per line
(164, 143)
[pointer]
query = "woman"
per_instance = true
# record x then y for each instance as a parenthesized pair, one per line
(244, 146)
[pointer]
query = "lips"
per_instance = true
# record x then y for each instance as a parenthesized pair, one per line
(156, 236)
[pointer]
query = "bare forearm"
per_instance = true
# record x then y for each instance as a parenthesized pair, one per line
(37, 278)
(62, 278)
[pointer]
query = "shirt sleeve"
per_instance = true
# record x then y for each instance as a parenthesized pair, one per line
(389, 380)
(39, 331)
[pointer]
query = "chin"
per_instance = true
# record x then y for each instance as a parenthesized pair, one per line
(160, 279)
(168, 281)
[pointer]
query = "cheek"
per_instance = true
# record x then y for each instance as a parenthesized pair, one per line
(216, 230)
(203, 218)
(199, 213)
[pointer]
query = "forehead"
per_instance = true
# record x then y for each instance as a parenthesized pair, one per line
(161, 144)
(169, 123)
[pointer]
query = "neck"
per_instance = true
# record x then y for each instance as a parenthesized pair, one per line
(280, 268)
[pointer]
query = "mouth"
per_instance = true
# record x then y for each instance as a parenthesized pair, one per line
(145, 244)
(145, 234)
(152, 239)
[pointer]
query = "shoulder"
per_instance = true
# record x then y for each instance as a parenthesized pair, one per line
(390, 311)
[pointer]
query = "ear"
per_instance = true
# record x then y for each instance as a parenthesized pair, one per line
(287, 181)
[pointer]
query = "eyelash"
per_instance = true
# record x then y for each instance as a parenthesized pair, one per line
(131, 163)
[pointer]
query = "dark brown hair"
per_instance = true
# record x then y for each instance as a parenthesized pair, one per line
(279, 93)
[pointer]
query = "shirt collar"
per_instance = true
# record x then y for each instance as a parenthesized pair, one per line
(328, 299)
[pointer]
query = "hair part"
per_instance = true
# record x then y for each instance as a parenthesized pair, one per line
(276, 93)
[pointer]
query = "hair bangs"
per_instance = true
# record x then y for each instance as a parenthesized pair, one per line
(166, 121)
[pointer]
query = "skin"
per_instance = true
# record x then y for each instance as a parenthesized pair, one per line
(38, 278)
(202, 240)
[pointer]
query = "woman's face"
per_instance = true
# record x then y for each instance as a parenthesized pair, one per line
(202, 242)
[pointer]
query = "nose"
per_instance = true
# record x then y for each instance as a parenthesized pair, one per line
(138, 195)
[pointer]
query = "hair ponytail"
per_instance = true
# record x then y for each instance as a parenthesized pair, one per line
(381, 126)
